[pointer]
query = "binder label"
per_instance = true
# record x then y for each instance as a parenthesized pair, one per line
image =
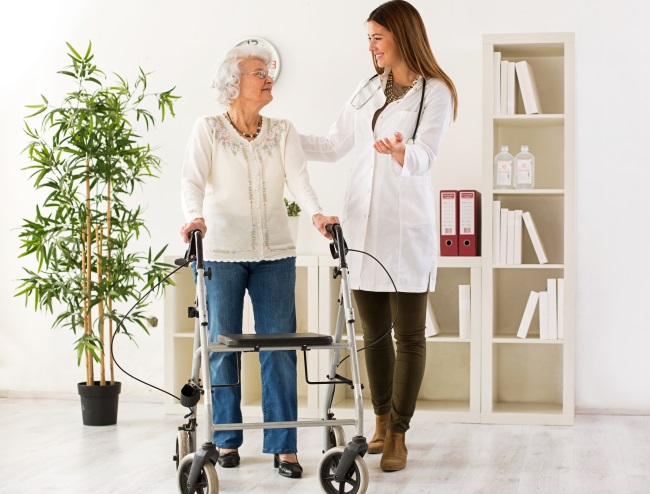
(448, 213)
(467, 209)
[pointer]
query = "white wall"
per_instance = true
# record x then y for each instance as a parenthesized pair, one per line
(323, 50)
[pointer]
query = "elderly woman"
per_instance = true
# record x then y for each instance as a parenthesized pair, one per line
(234, 174)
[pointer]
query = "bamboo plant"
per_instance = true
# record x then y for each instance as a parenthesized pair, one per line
(87, 158)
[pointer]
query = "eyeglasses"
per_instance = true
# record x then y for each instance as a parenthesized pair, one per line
(262, 74)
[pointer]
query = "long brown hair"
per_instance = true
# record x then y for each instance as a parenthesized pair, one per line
(405, 23)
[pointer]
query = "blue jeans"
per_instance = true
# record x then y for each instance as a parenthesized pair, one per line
(271, 287)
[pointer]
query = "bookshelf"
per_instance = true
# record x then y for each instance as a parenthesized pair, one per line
(531, 380)
(451, 386)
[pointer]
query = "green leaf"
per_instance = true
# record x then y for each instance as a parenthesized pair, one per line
(88, 55)
(71, 48)
(38, 112)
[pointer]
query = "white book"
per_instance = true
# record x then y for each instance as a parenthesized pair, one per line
(496, 85)
(496, 231)
(518, 236)
(534, 237)
(504, 88)
(551, 288)
(503, 242)
(464, 312)
(432, 327)
(543, 315)
(560, 308)
(512, 89)
(528, 88)
(529, 311)
(510, 249)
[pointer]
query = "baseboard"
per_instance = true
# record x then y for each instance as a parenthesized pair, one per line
(53, 395)
(610, 411)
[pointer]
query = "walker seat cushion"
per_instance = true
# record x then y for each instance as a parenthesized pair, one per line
(274, 340)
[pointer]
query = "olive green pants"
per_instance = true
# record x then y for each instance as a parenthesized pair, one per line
(395, 372)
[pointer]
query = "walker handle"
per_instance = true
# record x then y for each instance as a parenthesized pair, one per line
(191, 252)
(338, 247)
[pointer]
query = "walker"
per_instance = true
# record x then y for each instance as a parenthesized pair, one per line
(342, 468)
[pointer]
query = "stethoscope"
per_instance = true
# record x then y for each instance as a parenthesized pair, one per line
(355, 103)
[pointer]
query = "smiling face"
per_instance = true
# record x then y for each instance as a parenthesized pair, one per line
(383, 46)
(252, 89)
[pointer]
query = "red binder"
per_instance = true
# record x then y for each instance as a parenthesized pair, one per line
(448, 222)
(469, 223)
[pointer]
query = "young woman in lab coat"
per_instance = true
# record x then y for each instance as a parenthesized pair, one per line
(394, 124)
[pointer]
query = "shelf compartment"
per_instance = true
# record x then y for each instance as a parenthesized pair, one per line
(447, 374)
(512, 289)
(548, 62)
(528, 377)
(446, 383)
(546, 143)
(444, 301)
(547, 212)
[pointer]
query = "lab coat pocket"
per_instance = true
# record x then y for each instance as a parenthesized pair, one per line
(416, 252)
(416, 200)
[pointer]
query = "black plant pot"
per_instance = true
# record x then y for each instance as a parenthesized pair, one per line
(99, 403)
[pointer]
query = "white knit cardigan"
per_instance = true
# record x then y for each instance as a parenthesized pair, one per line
(237, 186)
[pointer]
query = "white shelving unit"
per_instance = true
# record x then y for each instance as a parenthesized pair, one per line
(450, 390)
(530, 381)
(451, 387)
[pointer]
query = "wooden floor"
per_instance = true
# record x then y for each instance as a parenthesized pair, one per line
(45, 449)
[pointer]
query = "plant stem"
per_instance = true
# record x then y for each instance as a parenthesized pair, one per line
(88, 323)
(100, 307)
(110, 301)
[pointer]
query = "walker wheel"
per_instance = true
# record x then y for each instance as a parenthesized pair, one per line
(184, 445)
(356, 480)
(336, 437)
(208, 482)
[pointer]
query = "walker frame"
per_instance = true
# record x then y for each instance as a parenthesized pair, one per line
(342, 468)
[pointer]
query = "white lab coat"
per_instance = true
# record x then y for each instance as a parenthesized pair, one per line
(389, 210)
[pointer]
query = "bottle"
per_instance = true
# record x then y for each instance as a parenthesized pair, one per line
(524, 169)
(503, 164)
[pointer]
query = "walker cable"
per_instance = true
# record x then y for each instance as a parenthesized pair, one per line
(339, 248)
(181, 263)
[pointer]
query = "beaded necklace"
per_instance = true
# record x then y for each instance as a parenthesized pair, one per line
(390, 92)
(244, 134)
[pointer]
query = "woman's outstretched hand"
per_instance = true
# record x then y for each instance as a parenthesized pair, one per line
(393, 146)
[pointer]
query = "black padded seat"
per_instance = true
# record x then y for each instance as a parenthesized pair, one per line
(275, 340)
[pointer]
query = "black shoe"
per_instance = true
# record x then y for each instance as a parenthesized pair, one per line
(229, 460)
(287, 469)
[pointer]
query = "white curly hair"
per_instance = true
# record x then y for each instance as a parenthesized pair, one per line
(226, 79)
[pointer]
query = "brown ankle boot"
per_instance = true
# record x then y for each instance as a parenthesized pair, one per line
(395, 452)
(376, 444)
